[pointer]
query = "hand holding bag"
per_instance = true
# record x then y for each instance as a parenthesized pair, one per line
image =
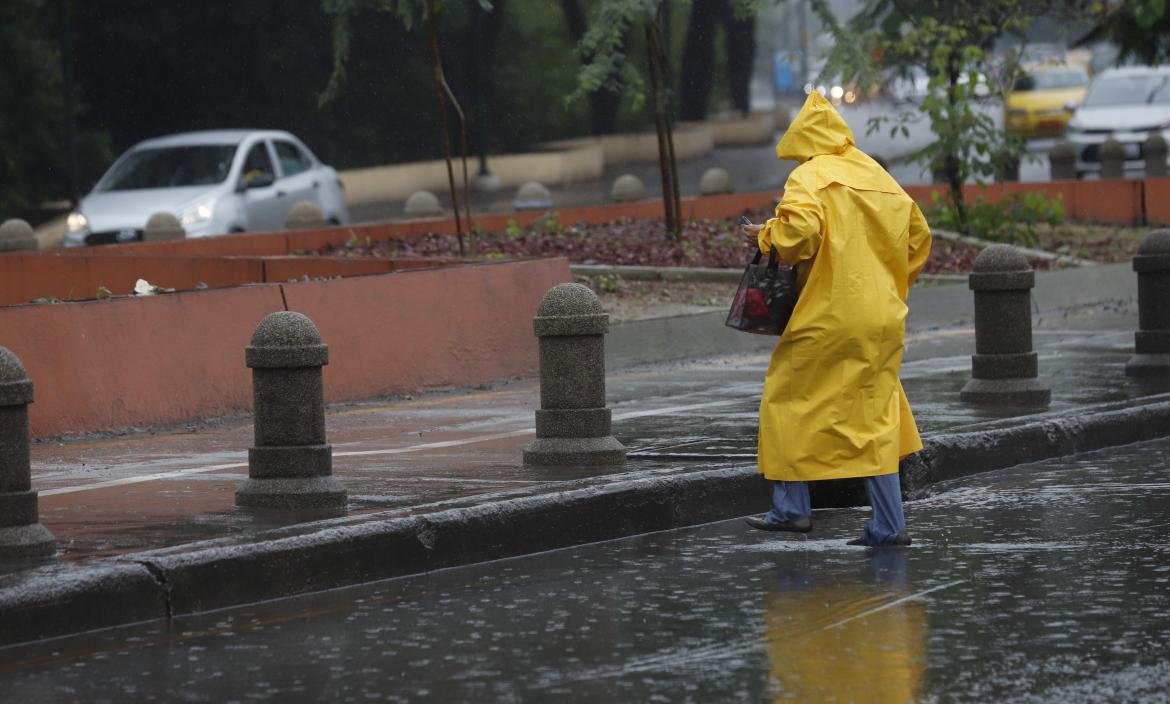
(765, 298)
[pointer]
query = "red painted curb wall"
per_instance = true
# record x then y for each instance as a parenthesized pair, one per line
(441, 327)
(137, 361)
(128, 362)
(1157, 201)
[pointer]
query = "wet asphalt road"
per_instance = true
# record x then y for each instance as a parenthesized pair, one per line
(1047, 582)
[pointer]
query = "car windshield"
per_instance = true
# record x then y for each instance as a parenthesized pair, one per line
(1051, 80)
(1129, 90)
(171, 167)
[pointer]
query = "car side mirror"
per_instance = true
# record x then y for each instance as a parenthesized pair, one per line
(1070, 106)
(256, 180)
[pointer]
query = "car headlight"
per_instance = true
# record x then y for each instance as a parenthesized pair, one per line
(198, 213)
(76, 222)
(836, 92)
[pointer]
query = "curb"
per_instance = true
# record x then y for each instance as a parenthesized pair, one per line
(1026, 251)
(691, 273)
(60, 600)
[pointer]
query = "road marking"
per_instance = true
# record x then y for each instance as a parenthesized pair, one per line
(175, 474)
(895, 602)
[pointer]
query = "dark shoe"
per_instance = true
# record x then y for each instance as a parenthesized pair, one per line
(900, 540)
(801, 524)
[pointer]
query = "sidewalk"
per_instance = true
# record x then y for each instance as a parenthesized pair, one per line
(146, 512)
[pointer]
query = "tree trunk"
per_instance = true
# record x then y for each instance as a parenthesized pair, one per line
(482, 64)
(442, 107)
(952, 168)
(740, 38)
(603, 103)
(696, 70)
(667, 164)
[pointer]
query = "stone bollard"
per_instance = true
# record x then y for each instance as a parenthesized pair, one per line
(21, 534)
(715, 181)
(17, 235)
(1152, 340)
(1112, 155)
(291, 466)
(487, 182)
(573, 424)
(1007, 166)
(1004, 367)
(304, 215)
(627, 188)
(1154, 150)
(162, 226)
(422, 204)
(532, 196)
(1062, 161)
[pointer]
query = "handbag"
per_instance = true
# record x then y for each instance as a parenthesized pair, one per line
(765, 298)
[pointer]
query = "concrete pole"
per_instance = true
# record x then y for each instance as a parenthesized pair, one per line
(1154, 151)
(1112, 155)
(162, 226)
(17, 235)
(1152, 340)
(1062, 161)
(21, 534)
(573, 424)
(291, 465)
(304, 215)
(1004, 367)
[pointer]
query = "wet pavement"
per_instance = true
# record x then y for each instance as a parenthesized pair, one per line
(175, 490)
(1047, 582)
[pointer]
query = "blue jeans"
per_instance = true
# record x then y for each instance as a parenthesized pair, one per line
(790, 500)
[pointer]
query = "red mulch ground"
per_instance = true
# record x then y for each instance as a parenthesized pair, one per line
(704, 243)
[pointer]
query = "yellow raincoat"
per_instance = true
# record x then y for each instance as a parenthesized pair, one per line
(833, 406)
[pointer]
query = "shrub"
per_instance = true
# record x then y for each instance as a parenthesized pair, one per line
(1012, 220)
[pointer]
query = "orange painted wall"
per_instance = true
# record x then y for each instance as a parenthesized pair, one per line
(458, 325)
(137, 361)
(125, 362)
(1157, 201)
(24, 278)
(1111, 201)
(278, 269)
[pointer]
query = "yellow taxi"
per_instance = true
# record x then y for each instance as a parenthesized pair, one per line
(1042, 100)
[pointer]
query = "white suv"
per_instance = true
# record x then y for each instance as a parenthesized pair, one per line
(1126, 104)
(214, 182)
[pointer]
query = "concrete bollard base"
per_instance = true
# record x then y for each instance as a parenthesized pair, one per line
(26, 541)
(1006, 392)
(562, 452)
(1146, 365)
(292, 494)
(297, 462)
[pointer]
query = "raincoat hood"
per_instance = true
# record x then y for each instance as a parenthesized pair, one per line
(817, 129)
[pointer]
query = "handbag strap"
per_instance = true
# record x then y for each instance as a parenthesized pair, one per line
(773, 259)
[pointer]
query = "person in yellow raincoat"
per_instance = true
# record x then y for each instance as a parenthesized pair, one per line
(833, 406)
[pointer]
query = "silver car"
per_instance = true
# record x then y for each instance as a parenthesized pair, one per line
(214, 182)
(1126, 104)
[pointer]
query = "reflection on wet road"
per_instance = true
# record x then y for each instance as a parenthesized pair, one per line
(1047, 582)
